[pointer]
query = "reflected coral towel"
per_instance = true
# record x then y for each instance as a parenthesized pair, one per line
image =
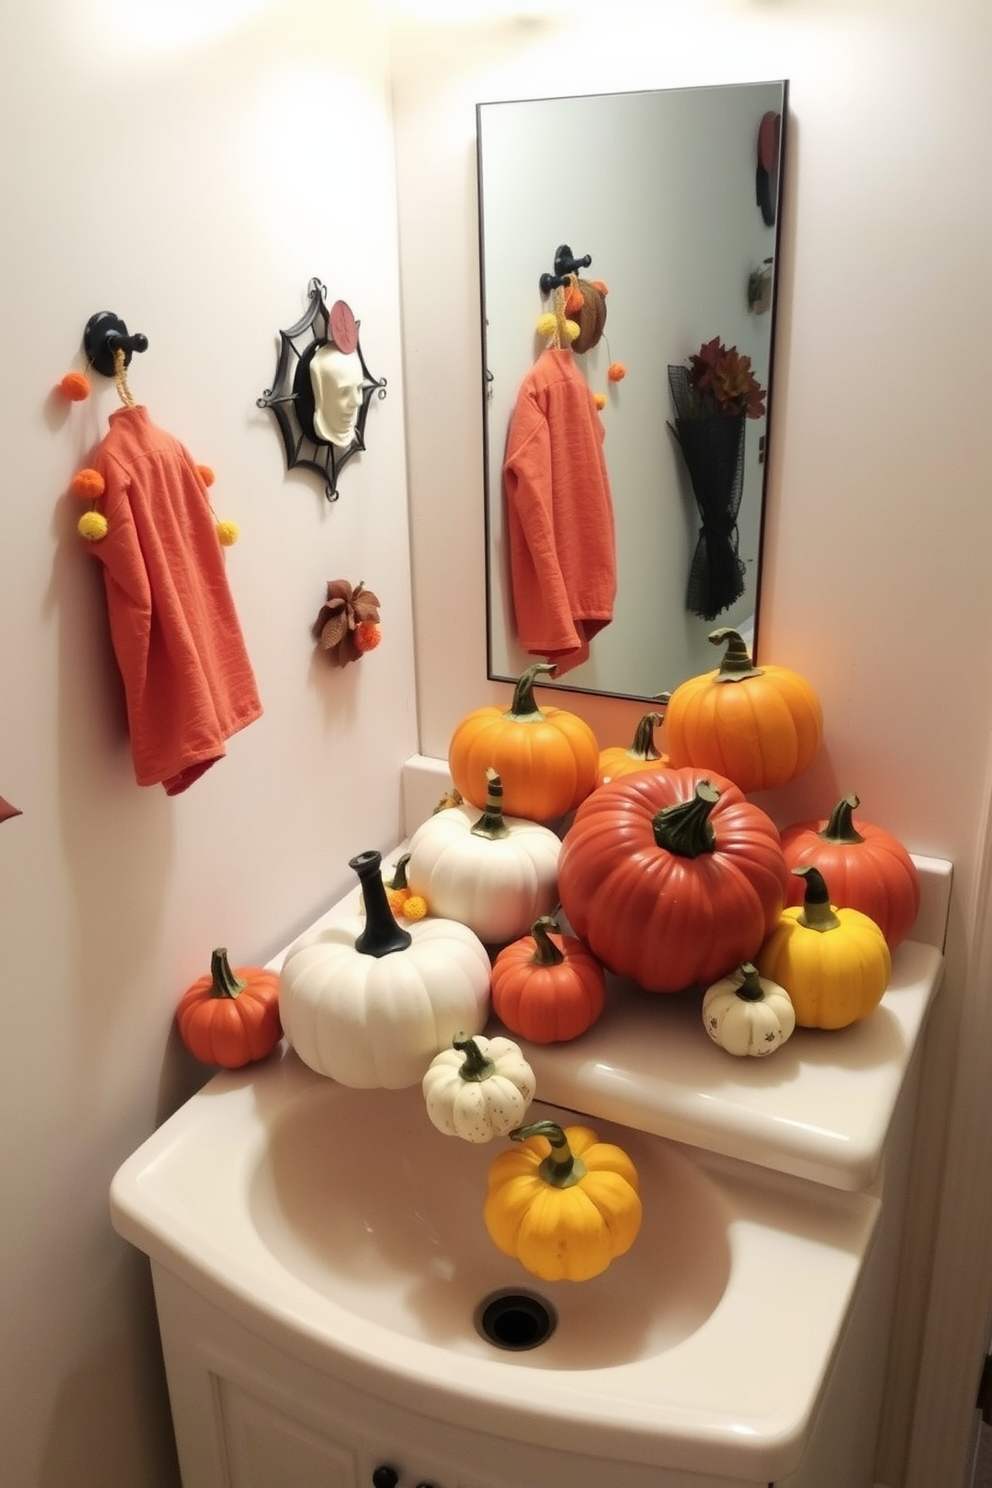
(188, 683)
(562, 546)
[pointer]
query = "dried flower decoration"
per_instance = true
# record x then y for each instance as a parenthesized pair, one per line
(723, 382)
(348, 623)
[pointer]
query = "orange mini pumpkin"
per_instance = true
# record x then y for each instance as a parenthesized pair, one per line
(760, 726)
(548, 987)
(547, 758)
(641, 755)
(230, 1018)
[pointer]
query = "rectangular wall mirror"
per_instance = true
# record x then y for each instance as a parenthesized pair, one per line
(675, 198)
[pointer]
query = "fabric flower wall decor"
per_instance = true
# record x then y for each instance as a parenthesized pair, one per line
(348, 623)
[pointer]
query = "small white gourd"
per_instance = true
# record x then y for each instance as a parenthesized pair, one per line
(493, 873)
(747, 1014)
(479, 1088)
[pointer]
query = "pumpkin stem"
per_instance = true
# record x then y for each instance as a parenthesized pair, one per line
(546, 953)
(476, 1066)
(685, 829)
(750, 989)
(816, 913)
(399, 879)
(643, 747)
(223, 981)
(736, 665)
(523, 709)
(840, 828)
(561, 1168)
(381, 934)
(491, 823)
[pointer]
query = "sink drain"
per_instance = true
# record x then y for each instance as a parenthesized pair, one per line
(515, 1320)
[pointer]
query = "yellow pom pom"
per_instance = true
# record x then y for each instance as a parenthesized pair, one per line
(616, 372)
(600, 400)
(572, 330)
(206, 474)
(227, 533)
(92, 525)
(546, 325)
(415, 907)
(87, 485)
(396, 899)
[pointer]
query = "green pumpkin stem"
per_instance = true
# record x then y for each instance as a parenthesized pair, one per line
(491, 823)
(643, 747)
(399, 880)
(476, 1066)
(561, 1168)
(816, 912)
(381, 935)
(223, 981)
(750, 989)
(546, 953)
(523, 709)
(736, 665)
(840, 828)
(685, 829)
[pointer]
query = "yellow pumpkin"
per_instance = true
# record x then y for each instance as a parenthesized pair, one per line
(761, 726)
(834, 963)
(547, 758)
(565, 1204)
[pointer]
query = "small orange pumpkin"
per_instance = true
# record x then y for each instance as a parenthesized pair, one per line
(547, 987)
(642, 754)
(760, 726)
(230, 1018)
(547, 758)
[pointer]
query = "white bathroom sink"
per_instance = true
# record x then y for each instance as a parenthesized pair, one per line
(341, 1226)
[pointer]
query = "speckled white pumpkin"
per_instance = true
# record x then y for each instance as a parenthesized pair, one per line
(747, 1014)
(479, 1088)
(493, 873)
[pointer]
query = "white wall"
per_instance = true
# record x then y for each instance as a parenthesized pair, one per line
(878, 531)
(188, 167)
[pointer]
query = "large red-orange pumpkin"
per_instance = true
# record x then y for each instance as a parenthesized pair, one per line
(866, 867)
(547, 987)
(547, 758)
(671, 877)
(230, 1017)
(760, 726)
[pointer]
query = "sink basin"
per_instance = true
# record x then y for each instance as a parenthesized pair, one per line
(342, 1227)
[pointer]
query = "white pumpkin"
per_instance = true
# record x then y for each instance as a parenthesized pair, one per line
(479, 1088)
(369, 1003)
(748, 1014)
(493, 873)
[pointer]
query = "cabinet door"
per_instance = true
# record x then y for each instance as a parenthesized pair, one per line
(266, 1449)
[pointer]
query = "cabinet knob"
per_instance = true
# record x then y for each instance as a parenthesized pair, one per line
(385, 1477)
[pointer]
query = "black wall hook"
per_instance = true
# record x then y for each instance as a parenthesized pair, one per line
(104, 334)
(565, 264)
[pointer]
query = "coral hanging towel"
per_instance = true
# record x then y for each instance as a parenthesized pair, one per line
(188, 683)
(559, 513)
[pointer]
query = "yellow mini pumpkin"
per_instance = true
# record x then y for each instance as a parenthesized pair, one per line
(565, 1204)
(834, 963)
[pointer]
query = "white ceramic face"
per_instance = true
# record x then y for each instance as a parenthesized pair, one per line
(336, 378)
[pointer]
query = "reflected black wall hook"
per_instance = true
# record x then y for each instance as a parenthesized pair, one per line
(565, 264)
(105, 333)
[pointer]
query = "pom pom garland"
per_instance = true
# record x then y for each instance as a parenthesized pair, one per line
(368, 634)
(546, 325)
(206, 474)
(87, 485)
(616, 372)
(92, 525)
(227, 533)
(600, 400)
(75, 386)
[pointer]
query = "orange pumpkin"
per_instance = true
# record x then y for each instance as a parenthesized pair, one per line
(230, 1018)
(760, 726)
(547, 987)
(547, 758)
(642, 754)
(866, 866)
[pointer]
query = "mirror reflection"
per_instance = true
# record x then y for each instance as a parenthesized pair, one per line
(650, 221)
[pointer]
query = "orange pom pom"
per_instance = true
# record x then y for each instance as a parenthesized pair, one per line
(367, 635)
(75, 386)
(87, 485)
(206, 475)
(616, 372)
(574, 300)
(415, 908)
(598, 284)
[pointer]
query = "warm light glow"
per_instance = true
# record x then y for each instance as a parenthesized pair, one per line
(174, 25)
(479, 12)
